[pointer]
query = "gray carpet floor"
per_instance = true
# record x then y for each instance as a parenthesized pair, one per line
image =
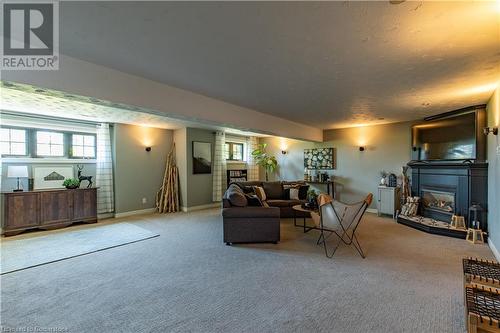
(188, 280)
(39, 249)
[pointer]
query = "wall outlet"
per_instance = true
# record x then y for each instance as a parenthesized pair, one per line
(498, 150)
(144, 201)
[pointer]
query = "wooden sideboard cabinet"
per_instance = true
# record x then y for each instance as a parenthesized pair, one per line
(48, 209)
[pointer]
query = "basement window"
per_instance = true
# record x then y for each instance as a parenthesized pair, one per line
(83, 146)
(50, 144)
(13, 142)
(234, 151)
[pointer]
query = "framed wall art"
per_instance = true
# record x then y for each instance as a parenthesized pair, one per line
(319, 158)
(46, 177)
(202, 157)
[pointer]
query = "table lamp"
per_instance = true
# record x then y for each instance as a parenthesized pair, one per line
(17, 171)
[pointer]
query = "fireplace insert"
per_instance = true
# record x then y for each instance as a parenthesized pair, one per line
(439, 201)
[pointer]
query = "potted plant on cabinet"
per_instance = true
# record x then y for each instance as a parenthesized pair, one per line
(71, 183)
(264, 159)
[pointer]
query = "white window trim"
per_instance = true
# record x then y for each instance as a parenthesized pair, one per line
(238, 139)
(47, 160)
(235, 162)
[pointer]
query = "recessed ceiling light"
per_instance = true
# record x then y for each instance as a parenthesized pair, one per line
(396, 2)
(39, 90)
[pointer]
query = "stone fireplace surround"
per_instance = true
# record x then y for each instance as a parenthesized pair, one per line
(448, 188)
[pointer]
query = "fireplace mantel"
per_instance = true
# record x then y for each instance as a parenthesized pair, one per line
(468, 181)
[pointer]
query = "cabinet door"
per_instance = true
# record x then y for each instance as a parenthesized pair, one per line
(22, 210)
(56, 207)
(84, 204)
(386, 197)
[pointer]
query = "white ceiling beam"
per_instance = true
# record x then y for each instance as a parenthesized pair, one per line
(87, 79)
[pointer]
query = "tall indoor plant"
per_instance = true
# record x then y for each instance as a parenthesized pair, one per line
(264, 159)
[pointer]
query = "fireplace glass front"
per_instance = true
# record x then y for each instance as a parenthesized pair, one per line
(439, 201)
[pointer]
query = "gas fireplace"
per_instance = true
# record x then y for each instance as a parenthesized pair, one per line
(438, 201)
(448, 188)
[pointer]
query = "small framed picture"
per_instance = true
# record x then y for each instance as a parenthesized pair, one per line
(202, 157)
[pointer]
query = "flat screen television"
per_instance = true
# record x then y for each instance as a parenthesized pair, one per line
(453, 137)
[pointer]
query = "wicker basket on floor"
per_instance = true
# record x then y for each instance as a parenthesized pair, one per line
(483, 309)
(482, 273)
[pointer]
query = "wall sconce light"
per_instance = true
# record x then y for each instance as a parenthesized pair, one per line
(488, 130)
(148, 149)
(361, 148)
(284, 152)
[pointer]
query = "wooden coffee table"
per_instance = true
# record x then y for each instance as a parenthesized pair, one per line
(299, 208)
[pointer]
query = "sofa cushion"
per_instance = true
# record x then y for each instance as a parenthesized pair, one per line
(278, 203)
(250, 183)
(236, 196)
(274, 190)
(294, 183)
(292, 203)
(251, 212)
(284, 203)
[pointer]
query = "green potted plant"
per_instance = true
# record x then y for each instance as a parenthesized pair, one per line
(312, 197)
(264, 159)
(71, 183)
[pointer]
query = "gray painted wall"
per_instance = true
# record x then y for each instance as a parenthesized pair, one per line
(195, 189)
(199, 186)
(493, 156)
(138, 174)
(387, 148)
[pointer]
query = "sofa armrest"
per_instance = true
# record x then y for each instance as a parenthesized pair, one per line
(251, 212)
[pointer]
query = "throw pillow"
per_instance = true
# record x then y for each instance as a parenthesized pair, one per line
(246, 189)
(259, 191)
(253, 200)
(303, 192)
(236, 197)
(286, 190)
(294, 194)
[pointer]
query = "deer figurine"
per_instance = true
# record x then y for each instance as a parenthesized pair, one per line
(82, 178)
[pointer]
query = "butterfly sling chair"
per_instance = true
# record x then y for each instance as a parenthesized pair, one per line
(339, 219)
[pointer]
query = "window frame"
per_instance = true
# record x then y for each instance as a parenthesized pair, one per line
(31, 145)
(70, 146)
(230, 157)
(34, 151)
(26, 142)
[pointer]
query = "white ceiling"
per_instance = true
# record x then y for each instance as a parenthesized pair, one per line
(325, 64)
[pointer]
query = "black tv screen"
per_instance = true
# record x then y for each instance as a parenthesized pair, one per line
(452, 138)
